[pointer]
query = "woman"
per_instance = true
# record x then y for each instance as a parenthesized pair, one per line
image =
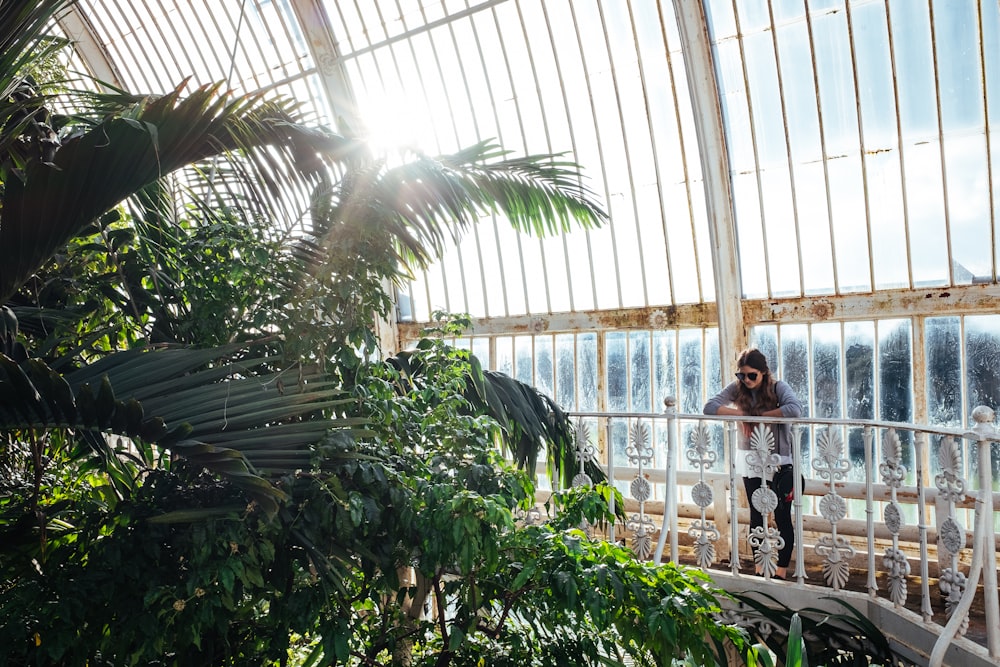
(756, 392)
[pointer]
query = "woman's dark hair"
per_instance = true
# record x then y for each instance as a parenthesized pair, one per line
(767, 397)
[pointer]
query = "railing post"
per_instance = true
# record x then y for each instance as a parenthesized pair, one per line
(868, 437)
(984, 418)
(670, 501)
(732, 449)
(983, 548)
(800, 551)
(611, 475)
(925, 592)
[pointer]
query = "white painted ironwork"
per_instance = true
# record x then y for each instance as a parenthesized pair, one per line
(893, 472)
(983, 550)
(763, 462)
(831, 490)
(640, 454)
(583, 452)
(951, 487)
(831, 465)
(702, 458)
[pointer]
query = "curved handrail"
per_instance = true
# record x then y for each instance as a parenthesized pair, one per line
(984, 418)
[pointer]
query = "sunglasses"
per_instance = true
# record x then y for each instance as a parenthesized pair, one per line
(747, 376)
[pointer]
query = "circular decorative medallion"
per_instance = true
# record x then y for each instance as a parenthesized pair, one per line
(640, 488)
(893, 518)
(582, 479)
(701, 493)
(833, 507)
(764, 500)
(952, 536)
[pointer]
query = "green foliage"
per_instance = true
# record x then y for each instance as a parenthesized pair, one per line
(283, 497)
(819, 637)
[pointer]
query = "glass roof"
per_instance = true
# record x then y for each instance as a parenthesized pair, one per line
(743, 148)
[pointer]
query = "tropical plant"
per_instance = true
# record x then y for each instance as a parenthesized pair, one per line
(257, 489)
(816, 636)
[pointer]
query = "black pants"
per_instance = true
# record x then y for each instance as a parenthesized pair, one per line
(783, 486)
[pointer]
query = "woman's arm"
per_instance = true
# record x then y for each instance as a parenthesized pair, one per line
(720, 403)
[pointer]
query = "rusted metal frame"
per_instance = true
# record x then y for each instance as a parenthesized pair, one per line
(700, 70)
(941, 150)
(890, 304)
(884, 304)
(825, 156)
(667, 317)
(756, 151)
(79, 28)
(862, 147)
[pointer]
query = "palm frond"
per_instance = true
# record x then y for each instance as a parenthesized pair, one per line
(226, 417)
(49, 203)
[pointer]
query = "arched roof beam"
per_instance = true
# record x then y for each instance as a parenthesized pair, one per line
(316, 27)
(692, 25)
(88, 47)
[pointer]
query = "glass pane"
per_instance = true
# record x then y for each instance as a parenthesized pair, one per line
(481, 348)
(616, 372)
(544, 371)
(826, 370)
(664, 367)
(895, 371)
(565, 371)
(691, 400)
(523, 360)
(982, 350)
(504, 361)
(794, 368)
(859, 366)
(642, 395)
(587, 372)
(943, 339)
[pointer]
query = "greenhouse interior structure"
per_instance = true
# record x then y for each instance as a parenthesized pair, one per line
(253, 254)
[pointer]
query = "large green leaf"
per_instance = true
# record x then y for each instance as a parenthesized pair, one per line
(188, 401)
(48, 203)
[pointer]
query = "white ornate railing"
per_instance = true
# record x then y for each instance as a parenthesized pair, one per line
(920, 502)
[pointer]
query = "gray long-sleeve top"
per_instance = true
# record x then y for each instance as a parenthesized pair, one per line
(790, 406)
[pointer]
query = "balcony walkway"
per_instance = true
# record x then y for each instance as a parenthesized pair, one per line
(890, 517)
